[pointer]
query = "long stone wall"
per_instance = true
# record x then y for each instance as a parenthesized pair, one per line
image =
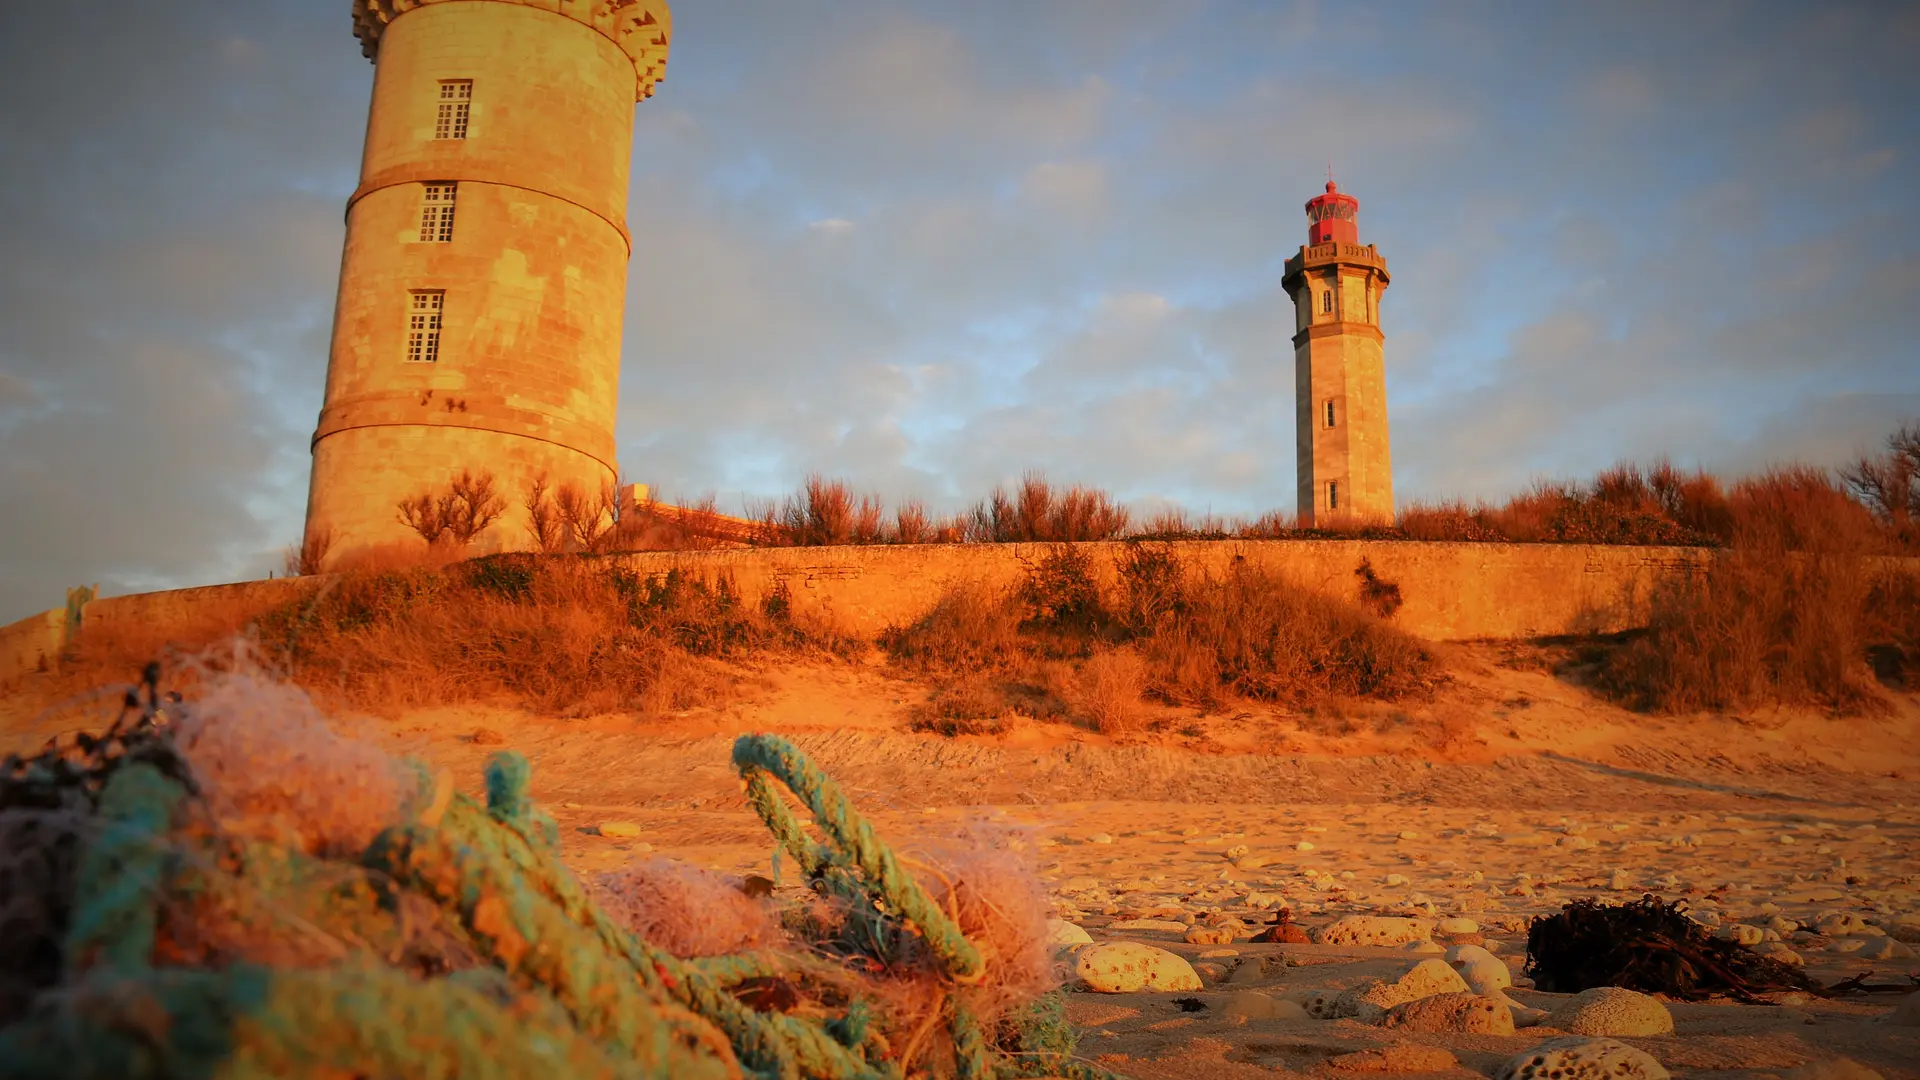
(1449, 592)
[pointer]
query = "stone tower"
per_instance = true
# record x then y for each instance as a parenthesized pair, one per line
(1339, 369)
(482, 286)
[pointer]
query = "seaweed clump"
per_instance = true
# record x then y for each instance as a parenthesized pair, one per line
(1649, 946)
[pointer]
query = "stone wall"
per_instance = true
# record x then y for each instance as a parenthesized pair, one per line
(1449, 592)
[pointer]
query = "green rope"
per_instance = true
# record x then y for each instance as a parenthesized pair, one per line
(120, 872)
(359, 1020)
(757, 756)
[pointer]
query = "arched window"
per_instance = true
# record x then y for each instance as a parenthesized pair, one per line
(1326, 301)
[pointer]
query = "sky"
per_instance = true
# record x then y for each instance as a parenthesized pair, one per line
(928, 246)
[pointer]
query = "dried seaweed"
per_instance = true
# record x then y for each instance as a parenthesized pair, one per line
(1649, 946)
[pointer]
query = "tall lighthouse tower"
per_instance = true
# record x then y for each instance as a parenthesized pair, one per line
(477, 324)
(1339, 369)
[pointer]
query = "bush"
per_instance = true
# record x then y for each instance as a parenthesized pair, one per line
(1186, 640)
(1786, 615)
(553, 633)
(969, 630)
(1252, 634)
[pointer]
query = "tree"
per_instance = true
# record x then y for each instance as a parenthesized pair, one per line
(1888, 483)
(467, 507)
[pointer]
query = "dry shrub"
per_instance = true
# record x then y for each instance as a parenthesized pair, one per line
(1784, 616)
(563, 634)
(1037, 512)
(970, 629)
(270, 767)
(1105, 691)
(964, 706)
(685, 910)
(1449, 522)
(827, 512)
(1263, 637)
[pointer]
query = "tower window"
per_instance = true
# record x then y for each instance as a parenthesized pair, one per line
(423, 325)
(1333, 494)
(436, 213)
(456, 96)
(1329, 412)
(1326, 301)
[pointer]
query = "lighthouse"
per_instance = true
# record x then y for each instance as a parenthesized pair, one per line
(1345, 469)
(483, 282)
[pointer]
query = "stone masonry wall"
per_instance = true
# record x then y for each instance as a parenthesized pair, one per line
(1450, 592)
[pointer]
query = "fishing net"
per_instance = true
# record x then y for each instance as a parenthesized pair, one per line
(228, 887)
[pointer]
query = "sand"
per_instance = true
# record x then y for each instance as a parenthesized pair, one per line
(1509, 794)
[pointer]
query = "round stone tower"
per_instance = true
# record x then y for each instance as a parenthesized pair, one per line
(1345, 470)
(482, 286)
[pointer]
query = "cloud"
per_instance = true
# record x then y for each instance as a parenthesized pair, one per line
(927, 247)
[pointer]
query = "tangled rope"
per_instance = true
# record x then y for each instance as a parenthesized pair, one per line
(525, 974)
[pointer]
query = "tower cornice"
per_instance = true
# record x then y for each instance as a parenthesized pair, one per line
(640, 28)
(1313, 256)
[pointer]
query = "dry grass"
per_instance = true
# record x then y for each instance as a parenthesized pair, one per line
(559, 634)
(1163, 632)
(1790, 613)
(1105, 692)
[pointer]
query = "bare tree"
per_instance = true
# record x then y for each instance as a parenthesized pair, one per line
(312, 552)
(466, 508)
(1888, 483)
(592, 521)
(472, 506)
(425, 514)
(543, 517)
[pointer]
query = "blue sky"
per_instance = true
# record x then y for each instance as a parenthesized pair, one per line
(928, 246)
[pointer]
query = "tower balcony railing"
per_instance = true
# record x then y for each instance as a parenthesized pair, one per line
(1313, 254)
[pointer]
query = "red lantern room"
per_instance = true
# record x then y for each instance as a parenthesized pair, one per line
(1332, 216)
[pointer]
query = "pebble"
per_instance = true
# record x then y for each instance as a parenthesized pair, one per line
(619, 829)
(1457, 926)
(1061, 933)
(1369, 1001)
(1210, 935)
(1459, 1012)
(1483, 972)
(1210, 972)
(1304, 845)
(1249, 1005)
(1373, 930)
(1126, 967)
(1885, 948)
(1219, 954)
(1100, 838)
(1579, 1056)
(1613, 1010)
